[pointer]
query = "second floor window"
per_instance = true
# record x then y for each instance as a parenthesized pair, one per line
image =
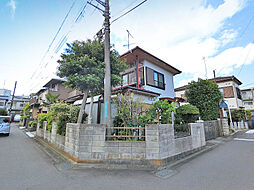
(154, 78)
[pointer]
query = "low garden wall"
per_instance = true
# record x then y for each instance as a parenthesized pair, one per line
(216, 128)
(86, 143)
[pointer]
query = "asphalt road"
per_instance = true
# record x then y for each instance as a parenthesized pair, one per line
(23, 165)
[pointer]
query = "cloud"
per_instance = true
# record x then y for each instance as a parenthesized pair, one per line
(182, 33)
(12, 5)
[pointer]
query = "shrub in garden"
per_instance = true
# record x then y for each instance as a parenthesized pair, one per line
(41, 118)
(158, 113)
(240, 114)
(32, 124)
(3, 111)
(186, 114)
(25, 113)
(51, 117)
(63, 113)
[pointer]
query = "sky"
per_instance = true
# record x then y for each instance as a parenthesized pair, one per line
(186, 34)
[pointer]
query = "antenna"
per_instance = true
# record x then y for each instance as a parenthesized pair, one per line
(205, 68)
(129, 35)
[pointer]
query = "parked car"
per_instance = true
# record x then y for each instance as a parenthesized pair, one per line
(5, 125)
(16, 118)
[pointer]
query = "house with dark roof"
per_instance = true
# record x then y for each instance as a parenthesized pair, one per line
(53, 86)
(229, 87)
(147, 75)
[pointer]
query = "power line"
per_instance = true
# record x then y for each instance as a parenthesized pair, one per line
(128, 11)
(63, 39)
(125, 8)
(59, 29)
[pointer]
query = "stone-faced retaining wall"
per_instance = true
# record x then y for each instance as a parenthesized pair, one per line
(86, 143)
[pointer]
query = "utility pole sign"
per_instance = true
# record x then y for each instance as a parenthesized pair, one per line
(107, 79)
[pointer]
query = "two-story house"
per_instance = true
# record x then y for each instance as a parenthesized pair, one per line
(53, 86)
(155, 81)
(229, 87)
(155, 76)
(248, 99)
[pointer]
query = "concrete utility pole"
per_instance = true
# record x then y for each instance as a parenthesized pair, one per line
(107, 80)
(12, 97)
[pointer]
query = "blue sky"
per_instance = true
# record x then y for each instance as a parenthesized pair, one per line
(179, 32)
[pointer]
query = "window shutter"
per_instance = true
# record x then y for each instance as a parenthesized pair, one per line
(149, 76)
(228, 92)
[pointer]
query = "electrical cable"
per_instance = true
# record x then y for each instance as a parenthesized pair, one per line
(128, 11)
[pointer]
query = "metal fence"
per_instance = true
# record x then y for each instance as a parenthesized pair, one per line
(182, 130)
(125, 133)
(212, 129)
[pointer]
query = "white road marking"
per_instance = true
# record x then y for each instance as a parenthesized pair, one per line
(250, 132)
(239, 139)
(30, 134)
(22, 127)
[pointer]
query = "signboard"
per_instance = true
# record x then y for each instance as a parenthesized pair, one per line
(223, 104)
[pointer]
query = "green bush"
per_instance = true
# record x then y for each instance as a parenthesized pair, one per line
(32, 124)
(63, 114)
(186, 114)
(240, 114)
(3, 111)
(159, 113)
(51, 117)
(41, 118)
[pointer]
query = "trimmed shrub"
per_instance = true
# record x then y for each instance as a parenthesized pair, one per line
(186, 114)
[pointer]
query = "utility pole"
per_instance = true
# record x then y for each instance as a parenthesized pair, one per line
(107, 79)
(13, 97)
(205, 68)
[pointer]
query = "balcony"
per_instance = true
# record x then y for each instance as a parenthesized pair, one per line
(130, 77)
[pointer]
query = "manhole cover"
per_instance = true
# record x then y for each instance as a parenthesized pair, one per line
(65, 166)
(165, 173)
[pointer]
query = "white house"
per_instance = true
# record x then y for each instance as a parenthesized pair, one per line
(229, 87)
(248, 99)
(155, 77)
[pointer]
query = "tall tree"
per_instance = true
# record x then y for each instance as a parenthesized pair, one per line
(206, 96)
(82, 65)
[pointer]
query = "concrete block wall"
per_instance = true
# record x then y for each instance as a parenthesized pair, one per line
(161, 143)
(225, 126)
(86, 142)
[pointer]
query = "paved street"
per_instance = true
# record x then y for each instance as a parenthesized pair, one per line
(25, 166)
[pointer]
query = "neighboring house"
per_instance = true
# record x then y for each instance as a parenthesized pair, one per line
(248, 99)
(18, 104)
(155, 77)
(54, 86)
(229, 87)
(5, 97)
